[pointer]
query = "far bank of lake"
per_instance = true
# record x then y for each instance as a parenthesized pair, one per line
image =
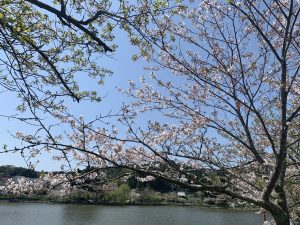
(85, 202)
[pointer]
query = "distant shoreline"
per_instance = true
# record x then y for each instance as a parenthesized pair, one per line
(122, 204)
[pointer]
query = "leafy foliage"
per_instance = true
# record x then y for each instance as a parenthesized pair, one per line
(120, 195)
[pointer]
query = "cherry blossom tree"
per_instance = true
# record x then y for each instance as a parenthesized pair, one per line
(235, 105)
(224, 95)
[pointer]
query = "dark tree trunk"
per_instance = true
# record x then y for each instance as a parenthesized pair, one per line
(282, 220)
(280, 217)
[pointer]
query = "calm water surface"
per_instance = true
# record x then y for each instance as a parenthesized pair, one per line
(48, 214)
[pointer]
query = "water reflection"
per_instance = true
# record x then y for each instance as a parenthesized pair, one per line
(72, 214)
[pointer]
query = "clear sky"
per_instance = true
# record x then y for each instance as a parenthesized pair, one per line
(124, 69)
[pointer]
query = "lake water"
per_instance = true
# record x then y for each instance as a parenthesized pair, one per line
(56, 214)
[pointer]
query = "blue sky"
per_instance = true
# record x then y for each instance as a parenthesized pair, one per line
(124, 69)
